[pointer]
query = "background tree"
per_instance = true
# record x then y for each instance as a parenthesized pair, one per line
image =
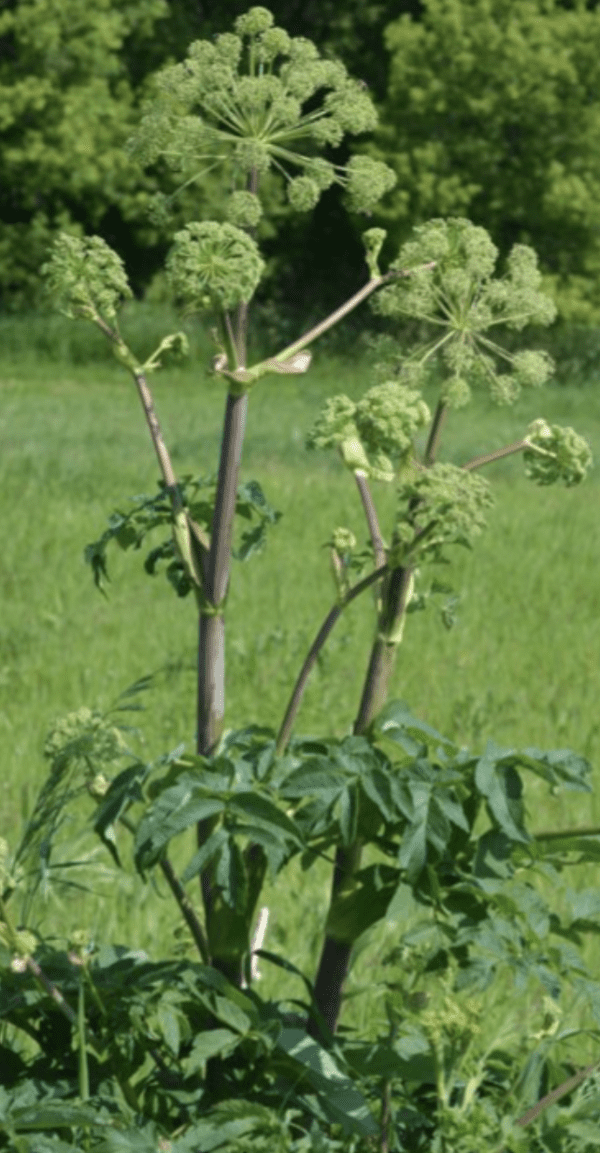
(67, 107)
(493, 112)
(71, 77)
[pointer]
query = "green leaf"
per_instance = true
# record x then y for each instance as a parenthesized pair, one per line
(354, 911)
(175, 809)
(209, 849)
(231, 875)
(169, 1027)
(207, 1045)
(498, 781)
(348, 808)
(396, 723)
(125, 790)
(55, 1115)
(559, 767)
(413, 849)
(340, 1099)
(315, 778)
(260, 808)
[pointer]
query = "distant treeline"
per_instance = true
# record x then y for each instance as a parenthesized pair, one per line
(487, 110)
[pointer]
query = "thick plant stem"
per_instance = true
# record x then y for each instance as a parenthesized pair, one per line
(334, 963)
(211, 660)
(211, 682)
(435, 433)
(395, 596)
(234, 427)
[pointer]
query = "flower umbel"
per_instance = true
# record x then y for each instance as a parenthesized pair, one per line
(240, 104)
(86, 278)
(556, 453)
(375, 434)
(213, 266)
(461, 301)
(441, 505)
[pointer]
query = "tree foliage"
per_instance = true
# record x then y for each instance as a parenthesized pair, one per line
(492, 112)
(67, 107)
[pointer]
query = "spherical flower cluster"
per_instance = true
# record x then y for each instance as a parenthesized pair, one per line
(374, 432)
(343, 540)
(444, 503)
(213, 266)
(244, 209)
(86, 736)
(85, 277)
(556, 453)
(240, 103)
(460, 299)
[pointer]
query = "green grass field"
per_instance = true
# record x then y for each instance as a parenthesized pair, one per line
(521, 665)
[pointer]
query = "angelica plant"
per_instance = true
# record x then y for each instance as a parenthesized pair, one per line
(255, 101)
(454, 292)
(257, 106)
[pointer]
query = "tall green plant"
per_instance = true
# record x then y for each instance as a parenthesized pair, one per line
(185, 1055)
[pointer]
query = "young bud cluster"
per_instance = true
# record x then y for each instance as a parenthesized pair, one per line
(377, 433)
(556, 453)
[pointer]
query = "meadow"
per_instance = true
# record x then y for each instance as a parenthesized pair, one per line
(521, 664)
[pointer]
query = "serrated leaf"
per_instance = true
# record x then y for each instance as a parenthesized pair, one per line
(500, 784)
(378, 787)
(169, 1027)
(348, 809)
(355, 910)
(493, 856)
(231, 875)
(175, 809)
(559, 767)
(263, 810)
(124, 791)
(55, 1115)
(205, 854)
(413, 849)
(339, 1096)
(397, 723)
(207, 1045)
(314, 780)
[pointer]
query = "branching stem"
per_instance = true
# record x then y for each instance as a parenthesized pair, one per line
(489, 457)
(330, 620)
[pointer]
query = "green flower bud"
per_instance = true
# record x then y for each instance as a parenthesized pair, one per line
(334, 424)
(531, 368)
(368, 180)
(244, 210)
(213, 264)
(456, 392)
(85, 277)
(449, 503)
(303, 193)
(556, 453)
(343, 540)
(354, 455)
(388, 417)
(253, 22)
(373, 240)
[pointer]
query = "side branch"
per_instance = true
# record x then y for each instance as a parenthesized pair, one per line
(322, 635)
(488, 457)
(339, 313)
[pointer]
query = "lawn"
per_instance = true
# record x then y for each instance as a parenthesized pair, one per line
(521, 665)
